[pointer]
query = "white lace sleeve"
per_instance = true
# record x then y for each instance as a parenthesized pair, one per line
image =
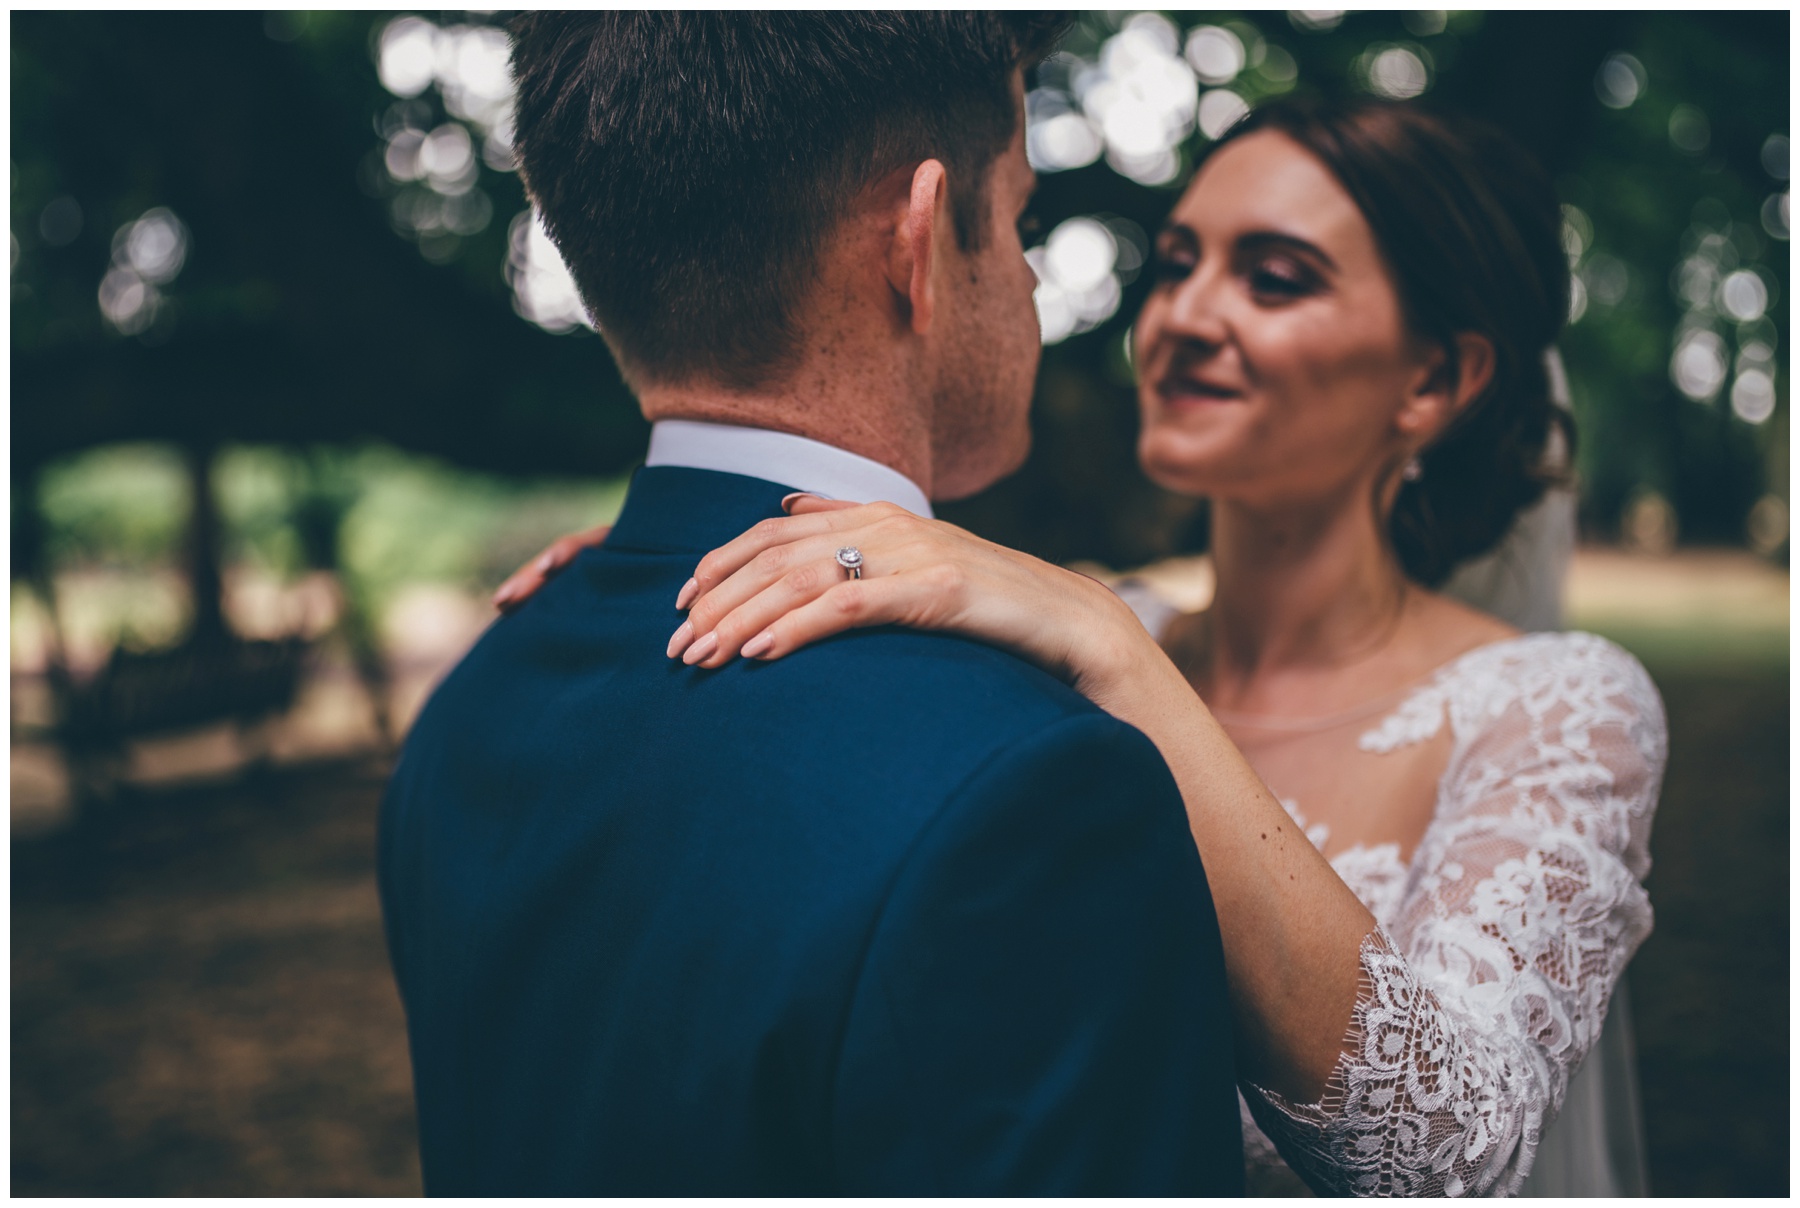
(1482, 998)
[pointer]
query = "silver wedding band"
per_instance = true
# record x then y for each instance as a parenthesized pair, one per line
(851, 559)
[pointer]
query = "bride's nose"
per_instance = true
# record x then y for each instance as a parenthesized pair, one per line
(1197, 309)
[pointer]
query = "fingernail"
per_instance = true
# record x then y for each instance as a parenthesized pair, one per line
(758, 646)
(787, 501)
(680, 638)
(504, 593)
(689, 590)
(545, 564)
(701, 649)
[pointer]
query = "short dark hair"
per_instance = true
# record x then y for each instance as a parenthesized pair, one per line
(689, 165)
(1469, 226)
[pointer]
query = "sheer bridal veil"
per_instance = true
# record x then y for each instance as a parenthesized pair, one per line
(1595, 1146)
(1521, 580)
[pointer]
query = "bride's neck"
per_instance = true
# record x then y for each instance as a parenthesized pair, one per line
(1299, 589)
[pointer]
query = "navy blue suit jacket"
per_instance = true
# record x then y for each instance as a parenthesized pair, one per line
(897, 913)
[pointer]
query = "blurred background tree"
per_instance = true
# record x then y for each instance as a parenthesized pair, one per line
(262, 238)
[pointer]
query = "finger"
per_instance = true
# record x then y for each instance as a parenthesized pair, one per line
(718, 645)
(800, 503)
(564, 550)
(806, 567)
(731, 557)
(522, 584)
(854, 604)
(525, 582)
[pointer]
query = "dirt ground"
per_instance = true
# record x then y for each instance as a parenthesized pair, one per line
(201, 1003)
(1710, 986)
(201, 1000)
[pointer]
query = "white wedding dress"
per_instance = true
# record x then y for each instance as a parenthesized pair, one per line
(1482, 1057)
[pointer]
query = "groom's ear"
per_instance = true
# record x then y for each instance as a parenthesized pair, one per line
(1450, 379)
(916, 242)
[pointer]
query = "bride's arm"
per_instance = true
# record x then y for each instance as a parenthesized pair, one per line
(1292, 930)
(1422, 1061)
(1525, 903)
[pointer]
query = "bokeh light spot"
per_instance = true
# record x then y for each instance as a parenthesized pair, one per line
(543, 289)
(1608, 279)
(1743, 296)
(1775, 156)
(127, 300)
(1577, 233)
(1767, 525)
(1753, 396)
(1080, 253)
(1077, 269)
(1278, 67)
(1066, 140)
(1397, 73)
(155, 246)
(1696, 279)
(1425, 23)
(1620, 81)
(1649, 523)
(1216, 54)
(60, 222)
(447, 156)
(1220, 110)
(1688, 129)
(402, 155)
(1760, 338)
(407, 58)
(145, 254)
(1775, 215)
(1315, 20)
(1697, 367)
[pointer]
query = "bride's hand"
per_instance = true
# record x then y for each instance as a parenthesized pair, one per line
(779, 587)
(523, 583)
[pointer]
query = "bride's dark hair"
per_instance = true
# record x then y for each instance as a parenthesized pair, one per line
(1469, 226)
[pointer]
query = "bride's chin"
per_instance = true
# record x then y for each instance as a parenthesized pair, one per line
(1177, 465)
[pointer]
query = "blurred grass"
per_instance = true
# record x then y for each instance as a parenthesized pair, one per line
(1682, 650)
(1700, 610)
(116, 515)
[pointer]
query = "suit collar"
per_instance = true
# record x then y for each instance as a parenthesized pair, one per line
(674, 509)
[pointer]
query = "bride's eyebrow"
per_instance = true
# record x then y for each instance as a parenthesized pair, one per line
(1256, 241)
(1179, 231)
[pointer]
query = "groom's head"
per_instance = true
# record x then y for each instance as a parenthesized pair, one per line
(726, 187)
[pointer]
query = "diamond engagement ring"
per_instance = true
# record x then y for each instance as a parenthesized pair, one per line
(850, 558)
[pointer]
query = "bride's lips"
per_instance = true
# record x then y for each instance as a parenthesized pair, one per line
(1187, 390)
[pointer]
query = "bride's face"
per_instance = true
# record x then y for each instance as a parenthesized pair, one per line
(1273, 359)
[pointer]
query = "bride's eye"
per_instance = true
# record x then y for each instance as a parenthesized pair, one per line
(1278, 278)
(1171, 264)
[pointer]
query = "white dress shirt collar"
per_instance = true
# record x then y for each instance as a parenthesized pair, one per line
(805, 465)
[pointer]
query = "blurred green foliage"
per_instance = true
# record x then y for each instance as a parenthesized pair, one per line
(404, 518)
(121, 505)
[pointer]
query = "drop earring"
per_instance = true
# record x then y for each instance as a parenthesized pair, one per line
(1412, 471)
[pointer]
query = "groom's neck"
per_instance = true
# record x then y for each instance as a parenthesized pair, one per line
(853, 412)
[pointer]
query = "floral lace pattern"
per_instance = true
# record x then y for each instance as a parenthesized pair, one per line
(1499, 945)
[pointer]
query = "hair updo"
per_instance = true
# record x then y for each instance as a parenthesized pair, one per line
(1469, 226)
